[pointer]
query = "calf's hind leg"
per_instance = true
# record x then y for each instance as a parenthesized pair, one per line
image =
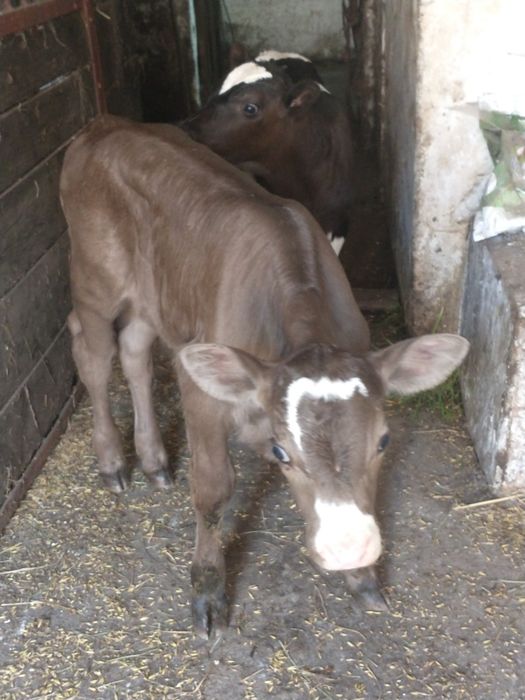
(94, 347)
(135, 341)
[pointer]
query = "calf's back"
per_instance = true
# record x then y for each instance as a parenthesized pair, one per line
(164, 228)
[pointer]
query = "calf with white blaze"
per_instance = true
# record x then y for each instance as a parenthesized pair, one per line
(168, 240)
(274, 118)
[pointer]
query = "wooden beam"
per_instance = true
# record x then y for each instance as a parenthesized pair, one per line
(88, 16)
(25, 17)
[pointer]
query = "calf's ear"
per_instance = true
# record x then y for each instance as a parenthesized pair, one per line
(302, 95)
(222, 372)
(237, 54)
(419, 363)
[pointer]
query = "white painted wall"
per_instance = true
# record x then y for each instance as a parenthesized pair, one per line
(310, 27)
(441, 58)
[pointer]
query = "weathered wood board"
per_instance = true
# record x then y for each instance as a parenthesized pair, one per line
(34, 58)
(33, 130)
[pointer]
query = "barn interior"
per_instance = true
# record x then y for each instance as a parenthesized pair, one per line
(95, 588)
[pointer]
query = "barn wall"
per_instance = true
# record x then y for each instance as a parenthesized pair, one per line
(397, 105)
(55, 75)
(452, 160)
(441, 60)
(436, 157)
(310, 27)
(46, 96)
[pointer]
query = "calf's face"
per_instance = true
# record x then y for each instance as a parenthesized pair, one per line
(253, 119)
(319, 416)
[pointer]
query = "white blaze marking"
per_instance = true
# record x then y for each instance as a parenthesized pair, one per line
(245, 73)
(336, 242)
(347, 538)
(278, 56)
(324, 388)
(323, 88)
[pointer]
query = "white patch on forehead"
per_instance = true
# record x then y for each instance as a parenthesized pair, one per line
(324, 388)
(245, 73)
(346, 538)
(323, 88)
(278, 56)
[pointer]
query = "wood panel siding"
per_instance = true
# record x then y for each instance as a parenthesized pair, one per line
(37, 56)
(46, 97)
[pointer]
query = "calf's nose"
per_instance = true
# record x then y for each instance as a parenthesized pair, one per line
(346, 538)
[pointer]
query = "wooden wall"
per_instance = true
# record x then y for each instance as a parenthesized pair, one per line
(46, 96)
(139, 56)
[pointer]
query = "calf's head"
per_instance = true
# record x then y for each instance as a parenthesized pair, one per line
(319, 415)
(254, 113)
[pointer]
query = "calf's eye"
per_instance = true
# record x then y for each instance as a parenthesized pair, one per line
(250, 109)
(281, 454)
(383, 443)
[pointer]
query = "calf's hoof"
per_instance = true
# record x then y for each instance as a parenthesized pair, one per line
(209, 605)
(364, 586)
(210, 616)
(160, 479)
(118, 481)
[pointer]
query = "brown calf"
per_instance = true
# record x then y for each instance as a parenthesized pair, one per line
(170, 241)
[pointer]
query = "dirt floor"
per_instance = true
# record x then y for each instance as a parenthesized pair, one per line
(95, 588)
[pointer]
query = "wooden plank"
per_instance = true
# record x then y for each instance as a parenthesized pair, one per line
(43, 124)
(376, 299)
(161, 31)
(10, 500)
(88, 15)
(51, 382)
(31, 220)
(19, 439)
(31, 316)
(19, 19)
(212, 56)
(40, 55)
(121, 57)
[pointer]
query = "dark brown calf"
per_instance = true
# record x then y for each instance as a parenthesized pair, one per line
(274, 118)
(170, 241)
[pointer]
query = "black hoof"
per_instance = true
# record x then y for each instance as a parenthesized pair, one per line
(161, 479)
(371, 600)
(209, 605)
(365, 590)
(118, 481)
(210, 616)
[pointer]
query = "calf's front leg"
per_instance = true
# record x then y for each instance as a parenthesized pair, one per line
(364, 586)
(212, 481)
